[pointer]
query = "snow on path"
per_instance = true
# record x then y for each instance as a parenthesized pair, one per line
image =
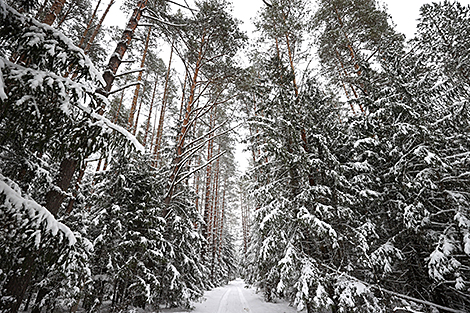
(235, 298)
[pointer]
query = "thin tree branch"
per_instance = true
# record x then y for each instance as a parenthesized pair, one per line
(130, 72)
(162, 21)
(122, 88)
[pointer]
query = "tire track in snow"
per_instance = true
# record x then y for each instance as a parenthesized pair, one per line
(246, 307)
(223, 301)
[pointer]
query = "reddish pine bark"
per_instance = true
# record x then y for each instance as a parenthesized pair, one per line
(122, 46)
(56, 8)
(206, 229)
(98, 27)
(158, 142)
(132, 126)
(82, 38)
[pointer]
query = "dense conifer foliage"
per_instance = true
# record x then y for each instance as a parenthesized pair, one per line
(361, 203)
(77, 238)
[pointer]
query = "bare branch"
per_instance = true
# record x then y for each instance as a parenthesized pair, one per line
(130, 72)
(122, 88)
(200, 167)
(183, 6)
(162, 21)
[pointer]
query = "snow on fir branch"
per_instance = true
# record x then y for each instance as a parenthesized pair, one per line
(15, 202)
(41, 33)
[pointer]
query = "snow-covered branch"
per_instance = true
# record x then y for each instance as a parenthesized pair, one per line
(125, 87)
(156, 19)
(104, 122)
(130, 72)
(200, 167)
(14, 201)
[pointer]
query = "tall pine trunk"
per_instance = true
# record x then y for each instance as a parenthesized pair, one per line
(158, 142)
(82, 38)
(122, 46)
(98, 27)
(131, 123)
(206, 228)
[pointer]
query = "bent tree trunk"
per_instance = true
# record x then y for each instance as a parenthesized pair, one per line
(123, 45)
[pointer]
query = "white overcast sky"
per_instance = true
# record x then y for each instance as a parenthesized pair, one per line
(404, 12)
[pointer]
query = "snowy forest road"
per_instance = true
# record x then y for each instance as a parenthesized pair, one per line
(235, 298)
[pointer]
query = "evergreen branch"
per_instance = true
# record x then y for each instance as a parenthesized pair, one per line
(393, 293)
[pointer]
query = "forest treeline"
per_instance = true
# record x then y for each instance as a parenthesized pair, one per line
(118, 181)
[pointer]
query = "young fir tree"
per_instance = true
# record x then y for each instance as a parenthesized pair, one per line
(136, 262)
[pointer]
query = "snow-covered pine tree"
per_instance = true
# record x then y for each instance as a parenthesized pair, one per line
(353, 37)
(136, 262)
(45, 118)
(398, 158)
(304, 229)
(438, 162)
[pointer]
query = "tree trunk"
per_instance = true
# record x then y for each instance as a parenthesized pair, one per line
(158, 142)
(55, 10)
(144, 143)
(98, 27)
(137, 87)
(215, 215)
(126, 38)
(55, 197)
(221, 222)
(40, 296)
(244, 209)
(206, 229)
(82, 38)
(134, 129)
(65, 16)
(75, 191)
(152, 140)
(17, 284)
(198, 177)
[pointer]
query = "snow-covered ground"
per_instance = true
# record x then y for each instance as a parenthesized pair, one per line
(235, 298)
